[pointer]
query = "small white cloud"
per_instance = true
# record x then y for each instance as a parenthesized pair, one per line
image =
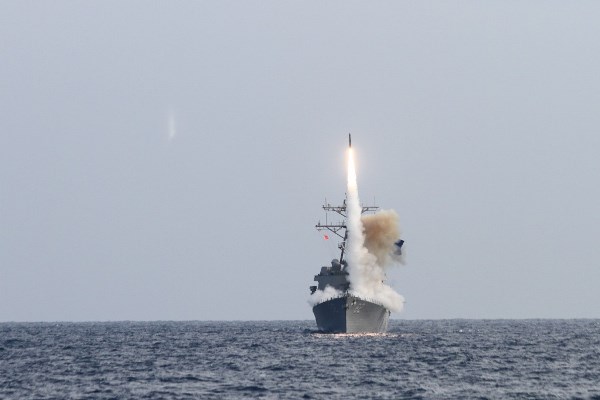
(172, 130)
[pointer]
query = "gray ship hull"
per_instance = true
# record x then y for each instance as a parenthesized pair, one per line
(351, 314)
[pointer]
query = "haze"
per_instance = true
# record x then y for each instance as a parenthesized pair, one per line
(168, 161)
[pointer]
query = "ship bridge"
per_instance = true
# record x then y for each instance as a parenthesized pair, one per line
(335, 276)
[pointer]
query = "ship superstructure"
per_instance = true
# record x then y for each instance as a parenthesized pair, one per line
(338, 309)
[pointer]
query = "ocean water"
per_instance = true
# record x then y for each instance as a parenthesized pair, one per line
(452, 359)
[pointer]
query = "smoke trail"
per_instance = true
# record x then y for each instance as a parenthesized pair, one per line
(366, 275)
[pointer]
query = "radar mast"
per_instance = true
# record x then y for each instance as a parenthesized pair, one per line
(339, 228)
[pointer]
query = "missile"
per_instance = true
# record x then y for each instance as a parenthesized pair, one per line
(349, 140)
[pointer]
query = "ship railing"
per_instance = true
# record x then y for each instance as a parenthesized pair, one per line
(347, 294)
(339, 296)
(369, 299)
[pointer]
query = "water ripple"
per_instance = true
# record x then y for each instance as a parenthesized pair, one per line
(553, 359)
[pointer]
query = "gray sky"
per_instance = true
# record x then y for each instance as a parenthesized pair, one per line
(169, 160)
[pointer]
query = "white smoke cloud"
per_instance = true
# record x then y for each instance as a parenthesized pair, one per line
(320, 296)
(366, 274)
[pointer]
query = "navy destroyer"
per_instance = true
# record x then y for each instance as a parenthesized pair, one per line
(337, 309)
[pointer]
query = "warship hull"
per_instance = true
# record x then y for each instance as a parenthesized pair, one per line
(351, 314)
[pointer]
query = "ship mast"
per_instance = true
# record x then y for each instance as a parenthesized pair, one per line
(340, 228)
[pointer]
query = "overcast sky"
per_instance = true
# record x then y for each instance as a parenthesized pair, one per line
(168, 160)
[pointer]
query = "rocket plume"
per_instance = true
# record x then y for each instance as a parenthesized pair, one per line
(369, 250)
